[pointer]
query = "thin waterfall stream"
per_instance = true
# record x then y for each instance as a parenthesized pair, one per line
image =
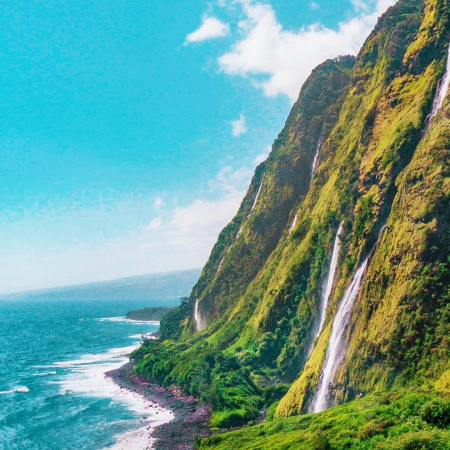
(200, 323)
(330, 279)
(316, 158)
(257, 194)
(328, 286)
(442, 91)
(294, 222)
(242, 226)
(313, 169)
(336, 344)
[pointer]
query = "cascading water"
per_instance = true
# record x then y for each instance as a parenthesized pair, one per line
(257, 194)
(294, 222)
(330, 279)
(200, 322)
(240, 229)
(442, 91)
(313, 169)
(316, 158)
(229, 248)
(336, 344)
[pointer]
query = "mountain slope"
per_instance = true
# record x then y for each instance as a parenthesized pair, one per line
(364, 151)
(279, 184)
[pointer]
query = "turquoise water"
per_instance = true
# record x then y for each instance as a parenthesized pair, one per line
(53, 393)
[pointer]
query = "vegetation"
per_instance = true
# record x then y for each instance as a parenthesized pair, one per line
(149, 313)
(416, 420)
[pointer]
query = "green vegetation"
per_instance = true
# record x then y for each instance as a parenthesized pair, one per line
(380, 162)
(149, 313)
(417, 420)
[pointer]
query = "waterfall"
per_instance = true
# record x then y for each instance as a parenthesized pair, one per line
(330, 279)
(257, 194)
(242, 226)
(200, 322)
(316, 158)
(293, 224)
(442, 91)
(335, 351)
(221, 262)
(313, 169)
(229, 248)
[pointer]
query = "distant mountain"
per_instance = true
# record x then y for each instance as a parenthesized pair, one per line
(154, 285)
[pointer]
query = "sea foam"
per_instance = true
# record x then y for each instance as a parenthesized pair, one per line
(124, 319)
(86, 376)
(18, 389)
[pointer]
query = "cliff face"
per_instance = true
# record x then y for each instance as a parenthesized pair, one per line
(365, 150)
(278, 186)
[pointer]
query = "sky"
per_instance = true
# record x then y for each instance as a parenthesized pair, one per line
(130, 130)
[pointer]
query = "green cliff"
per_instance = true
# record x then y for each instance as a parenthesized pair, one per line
(360, 148)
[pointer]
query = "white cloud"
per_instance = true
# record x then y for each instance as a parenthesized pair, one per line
(238, 126)
(314, 5)
(285, 58)
(158, 202)
(262, 156)
(155, 223)
(210, 28)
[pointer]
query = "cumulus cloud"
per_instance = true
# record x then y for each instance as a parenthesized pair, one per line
(238, 126)
(314, 5)
(279, 60)
(158, 202)
(210, 28)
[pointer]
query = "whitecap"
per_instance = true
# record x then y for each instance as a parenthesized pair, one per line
(140, 336)
(125, 319)
(19, 389)
(86, 376)
(53, 372)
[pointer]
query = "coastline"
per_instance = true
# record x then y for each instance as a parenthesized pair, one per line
(190, 417)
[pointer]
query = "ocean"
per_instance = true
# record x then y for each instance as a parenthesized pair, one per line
(53, 392)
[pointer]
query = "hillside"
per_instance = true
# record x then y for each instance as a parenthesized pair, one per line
(154, 285)
(331, 283)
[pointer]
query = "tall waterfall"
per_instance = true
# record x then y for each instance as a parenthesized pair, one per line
(443, 89)
(330, 279)
(200, 322)
(336, 344)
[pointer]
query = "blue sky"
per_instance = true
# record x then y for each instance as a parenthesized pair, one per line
(130, 129)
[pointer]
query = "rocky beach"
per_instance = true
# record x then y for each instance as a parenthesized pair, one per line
(190, 417)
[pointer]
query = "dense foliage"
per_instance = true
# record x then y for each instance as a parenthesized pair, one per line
(401, 421)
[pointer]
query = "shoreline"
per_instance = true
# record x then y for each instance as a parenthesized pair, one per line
(191, 418)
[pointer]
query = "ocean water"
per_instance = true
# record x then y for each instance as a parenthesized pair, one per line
(53, 392)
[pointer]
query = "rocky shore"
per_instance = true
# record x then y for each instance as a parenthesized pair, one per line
(191, 417)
